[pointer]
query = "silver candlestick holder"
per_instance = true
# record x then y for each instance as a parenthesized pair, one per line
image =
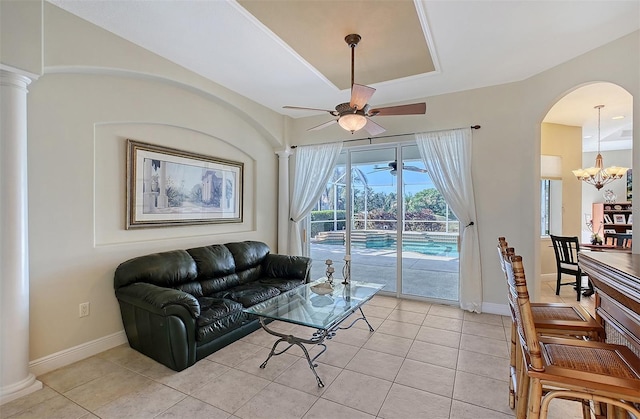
(330, 271)
(346, 270)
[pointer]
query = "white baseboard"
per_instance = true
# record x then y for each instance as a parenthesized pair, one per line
(493, 308)
(75, 354)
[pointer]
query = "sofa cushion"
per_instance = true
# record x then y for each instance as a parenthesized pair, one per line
(165, 269)
(283, 285)
(211, 286)
(285, 266)
(249, 294)
(217, 317)
(248, 254)
(212, 309)
(213, 261)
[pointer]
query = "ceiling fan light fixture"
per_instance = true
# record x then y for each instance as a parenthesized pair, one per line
(352, 122)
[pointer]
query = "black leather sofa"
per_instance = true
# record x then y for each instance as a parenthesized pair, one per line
(180, 306)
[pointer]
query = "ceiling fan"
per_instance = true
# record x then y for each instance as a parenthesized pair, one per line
(354, 115)
(393, 168)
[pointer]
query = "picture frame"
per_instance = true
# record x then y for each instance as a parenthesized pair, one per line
(619, 219)
(630, 219)
(171, 187)
(609, 231)
(607, 219)
(629, 231)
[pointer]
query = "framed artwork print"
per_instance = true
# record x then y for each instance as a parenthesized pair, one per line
(630, 219)
(619, 219)
(169, 187)
(607, 219)
(609, 231)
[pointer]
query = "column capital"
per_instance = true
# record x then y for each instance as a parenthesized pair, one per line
(284, 154)
(12, 79)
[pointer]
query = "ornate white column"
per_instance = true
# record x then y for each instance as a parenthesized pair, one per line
(283, 200)
(15, 378)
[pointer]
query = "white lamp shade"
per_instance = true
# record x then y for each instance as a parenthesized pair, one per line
(550, 167)
(352, 121)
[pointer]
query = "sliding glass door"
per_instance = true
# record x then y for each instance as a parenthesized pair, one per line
(380, 197)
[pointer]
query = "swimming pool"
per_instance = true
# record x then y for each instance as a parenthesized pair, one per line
(431, 248)
(426, 243)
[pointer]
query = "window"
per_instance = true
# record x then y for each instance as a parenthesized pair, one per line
(545, 186)
(550, 207)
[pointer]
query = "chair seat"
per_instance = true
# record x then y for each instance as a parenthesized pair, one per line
(572, 267)
(600, 366)
(566, 320)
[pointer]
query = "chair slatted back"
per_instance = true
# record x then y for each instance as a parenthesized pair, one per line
(521, 308)
(566, 249)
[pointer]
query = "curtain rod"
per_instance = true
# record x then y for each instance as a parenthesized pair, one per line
(388, 136)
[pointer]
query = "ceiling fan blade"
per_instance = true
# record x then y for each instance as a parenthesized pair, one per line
(373, 128)
(360, 95)
(415, 169)
(308, 109)
(412, 109)
(326, 124)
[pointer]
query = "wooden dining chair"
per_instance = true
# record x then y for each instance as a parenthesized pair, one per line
(573, 369)
(566, 249)
(551, 319)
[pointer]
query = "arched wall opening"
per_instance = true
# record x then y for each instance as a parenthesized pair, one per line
(569, 134)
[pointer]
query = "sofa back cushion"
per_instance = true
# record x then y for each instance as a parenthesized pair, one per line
(165, 269)
(248, 257)
(213, 261)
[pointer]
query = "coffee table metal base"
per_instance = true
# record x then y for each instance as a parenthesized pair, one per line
(317, 338)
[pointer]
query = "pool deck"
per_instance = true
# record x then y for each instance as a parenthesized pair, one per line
(433, 277)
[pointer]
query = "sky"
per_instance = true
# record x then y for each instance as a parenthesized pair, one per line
(383, 181)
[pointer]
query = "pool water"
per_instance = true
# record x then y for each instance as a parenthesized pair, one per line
(432, 248)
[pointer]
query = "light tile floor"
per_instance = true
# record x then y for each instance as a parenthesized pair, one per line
(423, 361)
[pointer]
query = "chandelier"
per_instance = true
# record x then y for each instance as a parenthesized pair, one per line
(597, 176)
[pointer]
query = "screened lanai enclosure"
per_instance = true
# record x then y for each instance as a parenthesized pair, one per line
(381, 208)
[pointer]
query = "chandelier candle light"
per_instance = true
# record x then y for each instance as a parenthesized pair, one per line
(597, 176)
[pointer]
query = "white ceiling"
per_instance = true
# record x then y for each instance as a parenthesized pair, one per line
(472, 44)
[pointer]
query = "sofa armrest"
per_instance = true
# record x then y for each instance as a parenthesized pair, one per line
(158, 300)
(160, 323)
(288, 267)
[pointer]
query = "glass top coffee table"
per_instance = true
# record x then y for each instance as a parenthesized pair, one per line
(316, 307)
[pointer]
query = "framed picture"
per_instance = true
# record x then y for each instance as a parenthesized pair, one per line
(630, 219)
(619, 219)
(169, 187)
(609, 231)
(629, 231)
(607, 219)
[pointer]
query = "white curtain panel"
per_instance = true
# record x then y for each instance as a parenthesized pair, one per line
(314, 165)
(447, 158)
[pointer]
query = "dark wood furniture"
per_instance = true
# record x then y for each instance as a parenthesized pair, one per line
(612, 218)
(566, 249)
(616, 278)
(620, 240)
